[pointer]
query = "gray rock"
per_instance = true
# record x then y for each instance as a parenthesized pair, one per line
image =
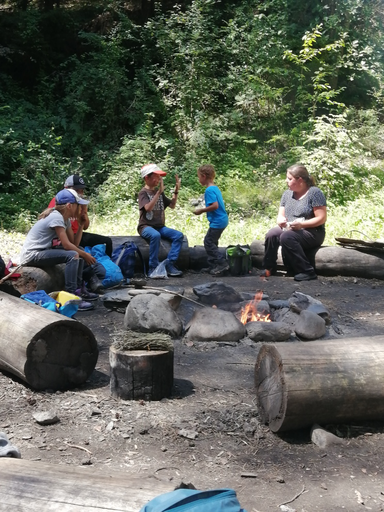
(45, 417)
(310, 326)
(7, 449)
(285, 316)
(322, 311)
(211, 324)
(150, 313)
(251, 296)
(322, 438)
(216, 292)
(189, 434)
(268, 331)
(300, 301)
(278, 304)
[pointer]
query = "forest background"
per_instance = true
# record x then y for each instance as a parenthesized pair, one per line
(102, 87)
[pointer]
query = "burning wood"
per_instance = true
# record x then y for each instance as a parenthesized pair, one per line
(250, 314)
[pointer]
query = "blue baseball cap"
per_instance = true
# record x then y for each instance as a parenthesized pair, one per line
(69, 195)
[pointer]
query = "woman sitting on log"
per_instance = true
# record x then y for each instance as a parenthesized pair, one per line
(39, 248)
(301, 226)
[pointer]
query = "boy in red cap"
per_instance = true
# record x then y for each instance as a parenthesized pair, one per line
(152, 205)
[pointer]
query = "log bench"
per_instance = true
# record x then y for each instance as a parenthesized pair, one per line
(334, 261)
(327, 260)
(41, 487)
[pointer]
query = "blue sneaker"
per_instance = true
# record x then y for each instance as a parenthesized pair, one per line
(85, 306)
(172, 271)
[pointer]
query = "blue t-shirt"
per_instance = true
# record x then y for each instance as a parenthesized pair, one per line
(217, 218)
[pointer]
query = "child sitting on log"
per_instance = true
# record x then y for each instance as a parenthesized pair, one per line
(39, 250)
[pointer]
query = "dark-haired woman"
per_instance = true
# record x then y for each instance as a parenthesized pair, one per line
(301, 226)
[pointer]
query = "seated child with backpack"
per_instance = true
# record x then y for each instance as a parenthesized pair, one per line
(39, 251)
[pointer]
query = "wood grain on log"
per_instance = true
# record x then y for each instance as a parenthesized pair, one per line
(39, 487)
(43, 348)
(141, 374)
(333, 261)
(331, 381)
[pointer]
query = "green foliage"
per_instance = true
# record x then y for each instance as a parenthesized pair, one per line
(334, 154)
(249, 86)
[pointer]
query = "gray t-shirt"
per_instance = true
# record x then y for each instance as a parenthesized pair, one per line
(303, 207)
(40, 236)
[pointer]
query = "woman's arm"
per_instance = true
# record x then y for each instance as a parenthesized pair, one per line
(69, 246)
(281, 219)
(320, 216)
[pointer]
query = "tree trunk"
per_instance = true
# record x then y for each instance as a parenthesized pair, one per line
(49, 279)
(141, 374)
(333, 381)
(43, 348)
(36, 487)
(333, 261)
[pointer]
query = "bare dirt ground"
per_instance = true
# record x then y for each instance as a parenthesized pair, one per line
(214, 397)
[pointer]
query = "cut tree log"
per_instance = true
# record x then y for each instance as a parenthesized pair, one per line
(43, 348)
(331, 381)
(40, 487)
(49, 279)
(141, 374)
(333, 261)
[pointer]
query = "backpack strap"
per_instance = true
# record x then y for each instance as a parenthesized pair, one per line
(142, 260)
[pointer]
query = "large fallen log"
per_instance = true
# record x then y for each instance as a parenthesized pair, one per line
(333, 261)
(39, 487)
(43, 348)
(331, 381)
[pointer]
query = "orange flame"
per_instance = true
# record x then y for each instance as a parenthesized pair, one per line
(249, 312)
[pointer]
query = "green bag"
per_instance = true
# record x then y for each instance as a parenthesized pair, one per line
(239, 259)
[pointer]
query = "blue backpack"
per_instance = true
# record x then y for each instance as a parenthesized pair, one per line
(113, 275)
(125, 257)
(191, 500)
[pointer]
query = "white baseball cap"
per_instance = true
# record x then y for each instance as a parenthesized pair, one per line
(151, 168)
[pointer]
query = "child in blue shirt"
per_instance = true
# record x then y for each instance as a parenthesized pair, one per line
(217, 217)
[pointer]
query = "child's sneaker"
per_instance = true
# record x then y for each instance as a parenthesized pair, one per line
(86, 295)
(172, 271)
(85, 306)
(220, 268)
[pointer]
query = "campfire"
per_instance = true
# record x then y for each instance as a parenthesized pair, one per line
(249, 313)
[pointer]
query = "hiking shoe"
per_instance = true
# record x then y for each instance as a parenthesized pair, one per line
(85, 306)
(172, 271)
(305, 276)
(95, 285)
(220, 268)
(85, 294)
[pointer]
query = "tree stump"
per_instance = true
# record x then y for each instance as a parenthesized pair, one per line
(331, 381)
(141, 374)
(43, 348)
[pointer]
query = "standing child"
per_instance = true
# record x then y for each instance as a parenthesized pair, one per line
(39, 249)
(217, 217)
